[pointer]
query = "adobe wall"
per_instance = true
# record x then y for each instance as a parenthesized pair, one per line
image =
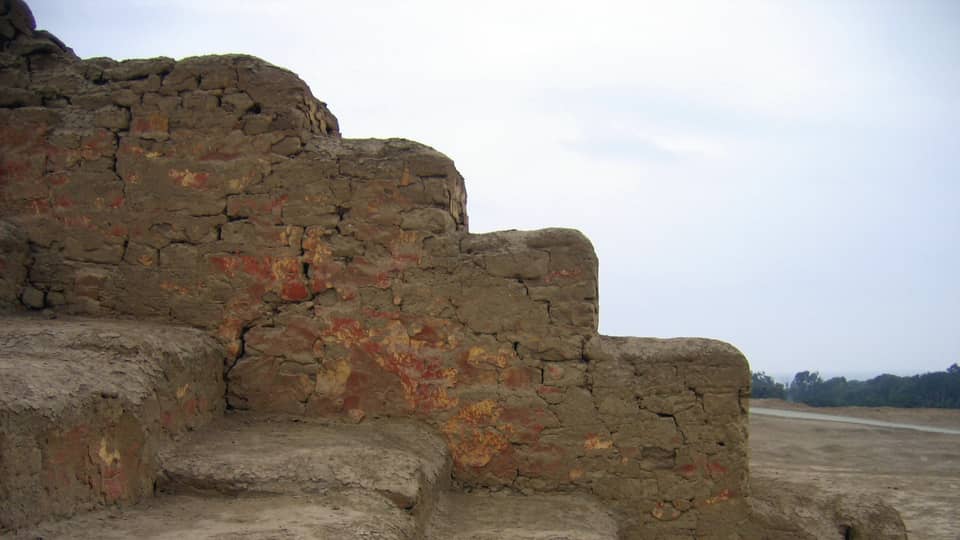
(340, 274)
(14, 256)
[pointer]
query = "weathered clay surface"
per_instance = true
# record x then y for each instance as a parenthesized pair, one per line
(540, 517)
(400, 460)
(800, 511)
(668, 418)
(14, 261)
(86, 405)
(335, 516)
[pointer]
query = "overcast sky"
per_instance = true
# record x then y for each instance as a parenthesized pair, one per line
(784, 176)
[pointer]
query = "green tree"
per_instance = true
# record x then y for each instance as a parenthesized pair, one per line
(938, 389)
(804, 385)
(829, 393)
(763, 386)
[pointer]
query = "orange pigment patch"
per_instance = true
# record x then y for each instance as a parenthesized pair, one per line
(153, 122)
(519, 377)
(294, 291)
(283, 275)
(332, 382)
(188, 179)
(665, 512)
(261, 268)
(406, 179)
(472, 440)
(481, 413)
(547, 390)
(348, 332)
(478, 355)
(558, 275)
(406, 249)
(424, 382)
(111, 470)
(724, 495)
(226, 265)
(78, 221)
(229, 331)
(594, 442)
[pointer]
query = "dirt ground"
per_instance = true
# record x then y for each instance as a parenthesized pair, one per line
(918, 473)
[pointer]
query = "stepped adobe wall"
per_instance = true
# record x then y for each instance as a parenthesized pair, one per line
(342, 279)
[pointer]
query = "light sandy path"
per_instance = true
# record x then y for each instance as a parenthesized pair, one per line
(802, 415)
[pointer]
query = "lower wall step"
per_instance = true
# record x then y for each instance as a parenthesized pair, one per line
(342, 515)
(401, 460)
(85, 406)
(518, 517)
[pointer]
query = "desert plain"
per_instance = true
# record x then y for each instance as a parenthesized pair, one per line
(916, 472)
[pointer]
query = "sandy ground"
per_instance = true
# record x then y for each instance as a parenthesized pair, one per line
(917, 473)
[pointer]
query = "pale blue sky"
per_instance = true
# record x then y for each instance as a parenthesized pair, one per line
(781, 175)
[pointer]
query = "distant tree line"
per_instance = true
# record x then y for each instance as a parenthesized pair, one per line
(940, 389)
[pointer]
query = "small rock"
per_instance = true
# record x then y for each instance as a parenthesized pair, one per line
(256, 124)
(32, 298)
(287, 146)
(239, 102)
(112, 117)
